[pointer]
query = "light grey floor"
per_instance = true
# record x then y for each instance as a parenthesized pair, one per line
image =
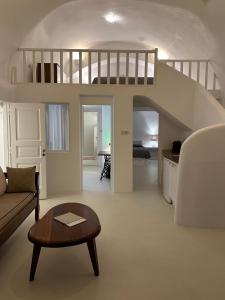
(142, 255)
(145, 176)
(91, 179)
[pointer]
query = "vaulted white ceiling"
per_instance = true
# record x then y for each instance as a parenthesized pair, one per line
(180, 28)
(143, 24)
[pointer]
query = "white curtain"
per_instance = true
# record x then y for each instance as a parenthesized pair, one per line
(57, 125)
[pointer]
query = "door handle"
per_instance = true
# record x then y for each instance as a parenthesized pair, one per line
(43, 152)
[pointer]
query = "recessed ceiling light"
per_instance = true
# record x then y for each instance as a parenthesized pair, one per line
(162, 54)
(111, 17)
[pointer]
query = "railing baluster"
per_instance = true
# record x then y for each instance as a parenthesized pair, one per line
(155, 65)
(136, 68)
(71, 66)
(182, 67)
(118, 68)
(80, 67)
(198, 71)
(89, 67)
(127, 67)
(214, 82)
(61, 66)
(42, 68)
(108, 67)
(52, 75)
(24, 67)
(206, 74)
(146, 69)
(34, 67)
(99, 67)
(190, 69)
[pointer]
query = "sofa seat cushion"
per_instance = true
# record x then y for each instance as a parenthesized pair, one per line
(11, 204)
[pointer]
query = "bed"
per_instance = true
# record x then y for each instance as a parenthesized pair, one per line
(139, 151)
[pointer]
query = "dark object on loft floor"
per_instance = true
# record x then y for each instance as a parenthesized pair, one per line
(140, 151)
(122, 80)
(47, 72)
(176, 147)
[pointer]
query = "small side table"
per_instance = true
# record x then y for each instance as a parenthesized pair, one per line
(50, 233)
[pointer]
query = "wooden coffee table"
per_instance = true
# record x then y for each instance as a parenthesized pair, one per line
(48, 232)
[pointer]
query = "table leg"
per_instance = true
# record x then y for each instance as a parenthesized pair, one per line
(93, 255)
(36, 253)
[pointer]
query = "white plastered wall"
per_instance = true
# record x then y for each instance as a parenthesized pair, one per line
(64, 169)
(173, 93)
(201, 189)
(207, 111)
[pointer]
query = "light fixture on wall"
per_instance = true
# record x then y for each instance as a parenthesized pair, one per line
(153, 137)
(151, 140)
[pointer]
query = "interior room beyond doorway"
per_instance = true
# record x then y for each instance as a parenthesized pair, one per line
(96, 147)
(145, 148)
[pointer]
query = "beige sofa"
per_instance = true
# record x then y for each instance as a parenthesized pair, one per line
(14, 209)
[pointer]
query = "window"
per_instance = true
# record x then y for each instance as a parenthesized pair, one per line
(57, 127)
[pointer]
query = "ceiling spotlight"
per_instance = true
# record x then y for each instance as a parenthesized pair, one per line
(162, 54)
(111, 17)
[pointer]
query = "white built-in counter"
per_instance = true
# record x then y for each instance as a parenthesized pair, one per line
(169, 181)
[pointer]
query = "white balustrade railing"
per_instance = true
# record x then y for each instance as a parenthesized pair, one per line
(82, 66)
(198, 70)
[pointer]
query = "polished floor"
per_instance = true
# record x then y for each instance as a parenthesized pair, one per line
(142, 255)
(145, 176)
(91, 179)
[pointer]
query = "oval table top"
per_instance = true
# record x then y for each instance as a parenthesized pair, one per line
(48, 232)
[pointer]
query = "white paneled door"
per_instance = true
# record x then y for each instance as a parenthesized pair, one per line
(28, 139)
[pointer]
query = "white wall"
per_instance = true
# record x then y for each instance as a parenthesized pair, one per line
(64, 169)
(207, 111)
(173, 93)
(201, 172)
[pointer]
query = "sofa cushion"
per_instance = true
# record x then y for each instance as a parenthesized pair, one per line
(3, 185)
(21, 180)
(11, 204)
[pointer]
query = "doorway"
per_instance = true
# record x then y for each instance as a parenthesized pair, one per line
(145, 148)
(96, 147)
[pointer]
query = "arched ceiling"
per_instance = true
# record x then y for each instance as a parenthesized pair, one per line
(186, 26)
(177, 33)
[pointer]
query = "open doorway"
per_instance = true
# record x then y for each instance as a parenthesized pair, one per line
(145, 148)
(96, 147)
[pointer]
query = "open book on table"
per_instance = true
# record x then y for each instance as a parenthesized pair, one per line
(70, 219)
